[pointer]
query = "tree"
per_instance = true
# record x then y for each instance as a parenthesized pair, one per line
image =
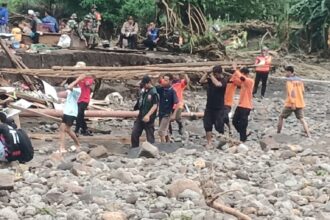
(315, 16)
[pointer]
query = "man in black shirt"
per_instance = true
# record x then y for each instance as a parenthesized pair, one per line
(214, 112)
(167, 100)
(147, 106)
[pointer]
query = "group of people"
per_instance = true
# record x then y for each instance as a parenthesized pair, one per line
(166, 101)
(130, 30)
(87, 29)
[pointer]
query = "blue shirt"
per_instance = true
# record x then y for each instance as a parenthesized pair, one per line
(153, 34)
(53, 23)
(71, 103)
(4, 16)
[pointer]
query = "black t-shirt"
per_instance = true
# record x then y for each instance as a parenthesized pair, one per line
(167, 100)
(216, 95)
(148, 98)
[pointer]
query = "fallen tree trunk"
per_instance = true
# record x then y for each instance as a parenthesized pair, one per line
(96, 113)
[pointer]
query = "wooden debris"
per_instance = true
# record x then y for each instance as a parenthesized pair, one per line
(52, 113)
(18, 63)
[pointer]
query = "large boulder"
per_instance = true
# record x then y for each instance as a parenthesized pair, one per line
(148, 150)
(180, 185)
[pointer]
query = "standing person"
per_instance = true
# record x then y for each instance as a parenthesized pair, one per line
(214, 111)
(147, 105)
(34, 26)
(4, 18)
(85, 85)
(229, 97)
(97, 18)
(167, 99)
(152, 37)
(70, 113)
(241, 116)
(129, 31)
(179, 85)
(294, 101)
(263, 65)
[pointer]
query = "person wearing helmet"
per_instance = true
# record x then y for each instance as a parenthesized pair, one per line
(87, 33)
(263, 65)
(72, 23)
(97, 17)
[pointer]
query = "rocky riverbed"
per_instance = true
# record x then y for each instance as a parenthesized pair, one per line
(275, 177)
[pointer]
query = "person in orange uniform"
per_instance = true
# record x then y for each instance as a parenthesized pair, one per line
(229, 96)
(179, 85)
(294, 101)
(263, 65)
(241, 116)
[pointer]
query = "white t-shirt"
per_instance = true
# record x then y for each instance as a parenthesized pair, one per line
(71, 103)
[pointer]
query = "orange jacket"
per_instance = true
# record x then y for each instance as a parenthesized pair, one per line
(246, 97)
(295, 93)
(179, 87)
(230, 91)
(267, 60)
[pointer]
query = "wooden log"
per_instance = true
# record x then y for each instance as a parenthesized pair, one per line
(96, 113)
(226, 209)
(37, 113)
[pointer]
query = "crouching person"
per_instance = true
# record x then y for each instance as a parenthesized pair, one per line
(147, 106)
(15, 145)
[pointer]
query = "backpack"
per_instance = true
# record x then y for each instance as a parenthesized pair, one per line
(25, 145)
(22, 150)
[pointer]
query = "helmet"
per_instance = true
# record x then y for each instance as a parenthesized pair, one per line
(74, 16)
(94, 6)
(88, 17)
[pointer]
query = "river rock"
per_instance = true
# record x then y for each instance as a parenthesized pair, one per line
(148, 150)
(181, 185)
(98, 152)
(114, 216)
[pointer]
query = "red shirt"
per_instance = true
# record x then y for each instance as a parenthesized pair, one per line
(85, 86)
(179, 87)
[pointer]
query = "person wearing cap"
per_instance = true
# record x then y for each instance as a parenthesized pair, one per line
(147, 106)
(241, 117)
(129, 31)
(87, 33)
(294, 101)
(4, 18)
(263, 67)
(85, 85)
(34, 26)
(97, 18)
(214, 111)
